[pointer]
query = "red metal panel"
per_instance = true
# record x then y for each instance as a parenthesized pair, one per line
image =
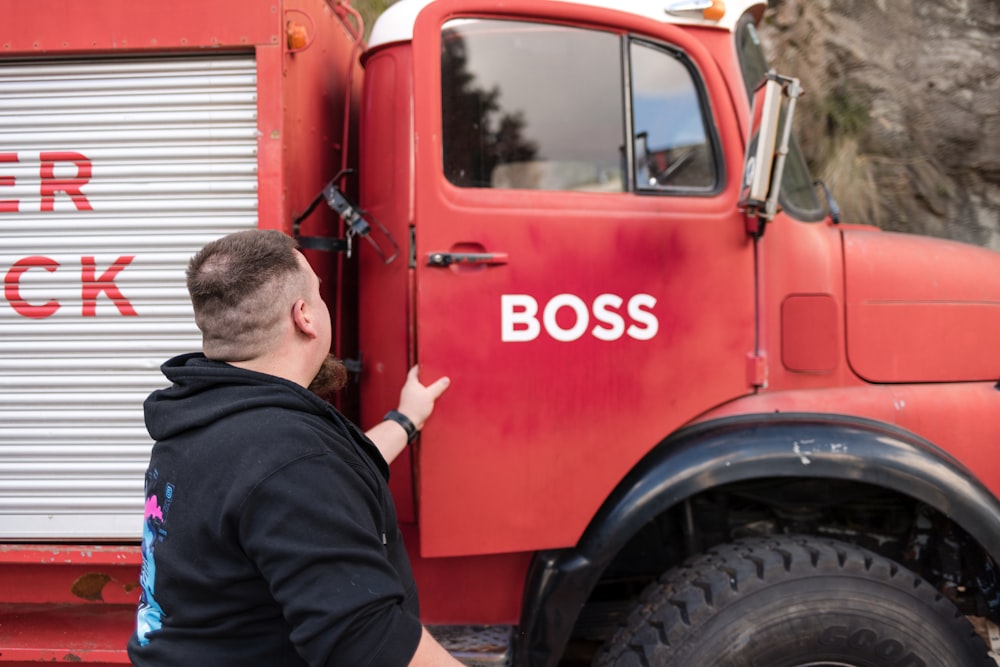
(797, 258)
(386, 195)
(810, 333)
(271, 149)
(93, 635)
(67, 26)
(921, 309)
(47, 574)
(959, 418)
(319, 84)
(63, 603)
(485, 590)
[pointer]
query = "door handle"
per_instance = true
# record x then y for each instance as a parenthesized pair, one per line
(466, 258)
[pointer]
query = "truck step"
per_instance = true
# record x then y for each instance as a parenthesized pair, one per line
(476, 645)
(94, 634)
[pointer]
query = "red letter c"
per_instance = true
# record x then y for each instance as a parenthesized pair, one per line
(12, 287)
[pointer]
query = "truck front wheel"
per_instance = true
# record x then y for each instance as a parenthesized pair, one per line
(793, 602)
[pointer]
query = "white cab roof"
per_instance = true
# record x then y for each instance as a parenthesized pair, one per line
(396, 23)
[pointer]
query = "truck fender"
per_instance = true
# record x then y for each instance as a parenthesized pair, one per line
(739, 448)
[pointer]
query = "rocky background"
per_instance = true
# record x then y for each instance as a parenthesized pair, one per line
(901, 114)
(901, 111)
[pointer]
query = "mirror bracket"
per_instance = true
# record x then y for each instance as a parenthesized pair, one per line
(764, 162)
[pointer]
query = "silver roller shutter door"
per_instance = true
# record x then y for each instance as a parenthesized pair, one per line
(122, 169)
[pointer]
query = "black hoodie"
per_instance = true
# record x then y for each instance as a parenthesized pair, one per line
(270, 536)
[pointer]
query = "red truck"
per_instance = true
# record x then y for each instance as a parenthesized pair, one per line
(695, 419)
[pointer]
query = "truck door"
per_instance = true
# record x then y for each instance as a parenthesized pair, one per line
(581, 270)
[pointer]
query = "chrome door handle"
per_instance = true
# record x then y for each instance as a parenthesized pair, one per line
(466, 258)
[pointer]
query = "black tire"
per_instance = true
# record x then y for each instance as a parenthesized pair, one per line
(793, 602)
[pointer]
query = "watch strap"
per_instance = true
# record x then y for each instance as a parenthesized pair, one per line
(404, 421)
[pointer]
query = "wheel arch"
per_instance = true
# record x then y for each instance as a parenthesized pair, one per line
(741, 448)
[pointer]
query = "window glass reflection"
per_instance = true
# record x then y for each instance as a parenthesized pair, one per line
(531, 106)
(672, 149)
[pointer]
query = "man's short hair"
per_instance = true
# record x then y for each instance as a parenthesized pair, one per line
(242, 287)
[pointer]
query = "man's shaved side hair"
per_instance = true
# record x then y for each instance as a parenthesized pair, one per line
(242, 287)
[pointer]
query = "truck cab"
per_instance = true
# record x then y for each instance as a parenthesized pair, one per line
(584, 263)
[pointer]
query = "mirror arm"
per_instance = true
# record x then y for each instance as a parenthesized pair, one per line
(764, 169)
(792, 90)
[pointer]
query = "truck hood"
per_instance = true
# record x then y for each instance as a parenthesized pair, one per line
(921, 309)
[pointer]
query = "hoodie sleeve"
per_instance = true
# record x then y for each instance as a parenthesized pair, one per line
(315, 530)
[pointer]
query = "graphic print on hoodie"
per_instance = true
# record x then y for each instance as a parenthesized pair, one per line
(150, 614)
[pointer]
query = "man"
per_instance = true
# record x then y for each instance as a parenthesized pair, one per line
(270, 536)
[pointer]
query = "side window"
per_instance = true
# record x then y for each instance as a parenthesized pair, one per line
(531, 106)
(672, 150)
(534, 106)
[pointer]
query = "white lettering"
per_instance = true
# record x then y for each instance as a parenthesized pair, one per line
(605, 311)
(552, 325)
(519, 318)
(518, 323)
(635, 305)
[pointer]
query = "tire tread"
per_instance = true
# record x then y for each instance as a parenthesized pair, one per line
(687, 596)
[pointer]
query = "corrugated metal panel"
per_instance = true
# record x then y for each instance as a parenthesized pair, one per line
(122, 169)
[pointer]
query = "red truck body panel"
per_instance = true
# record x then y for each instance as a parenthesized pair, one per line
(957, 417)
(920, 309)
(67, 603)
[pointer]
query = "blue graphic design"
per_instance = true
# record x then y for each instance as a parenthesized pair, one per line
(150, 615)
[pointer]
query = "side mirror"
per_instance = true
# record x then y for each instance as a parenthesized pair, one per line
(771, 113)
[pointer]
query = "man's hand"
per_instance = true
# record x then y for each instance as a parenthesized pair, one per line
(416, 401)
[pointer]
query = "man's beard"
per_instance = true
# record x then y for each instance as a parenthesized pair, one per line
(331, 378)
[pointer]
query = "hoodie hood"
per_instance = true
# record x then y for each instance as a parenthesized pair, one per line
(185, 405)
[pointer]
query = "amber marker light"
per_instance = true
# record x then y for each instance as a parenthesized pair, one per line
(297, 35)
(710, 10)
(716, 11)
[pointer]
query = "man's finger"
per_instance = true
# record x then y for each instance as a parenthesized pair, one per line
(437, 387)
(412, 373)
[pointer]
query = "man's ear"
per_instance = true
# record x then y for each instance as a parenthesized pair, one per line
(302, 316)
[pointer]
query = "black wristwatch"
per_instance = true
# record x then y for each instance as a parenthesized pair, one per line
(404, 421)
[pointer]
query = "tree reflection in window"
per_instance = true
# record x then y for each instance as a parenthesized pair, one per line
(478, 134)
(531, 106)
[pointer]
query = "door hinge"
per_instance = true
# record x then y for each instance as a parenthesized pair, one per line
(354, 367)
(757, 369)
(324, 243)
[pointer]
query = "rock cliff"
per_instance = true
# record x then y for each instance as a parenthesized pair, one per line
(901, 111)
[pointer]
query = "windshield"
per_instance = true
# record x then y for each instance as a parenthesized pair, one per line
(798, 196)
